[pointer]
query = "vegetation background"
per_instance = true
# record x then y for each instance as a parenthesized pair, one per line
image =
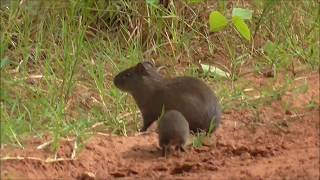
(58, 59)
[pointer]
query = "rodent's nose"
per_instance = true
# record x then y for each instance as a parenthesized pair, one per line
(116, 81)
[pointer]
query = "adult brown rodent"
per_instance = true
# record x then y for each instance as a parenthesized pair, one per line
(188, 95)
(173, 131)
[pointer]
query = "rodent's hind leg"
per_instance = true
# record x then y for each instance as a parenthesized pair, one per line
(148, 119)
(179, 149)
(182, 148)
(176, 148)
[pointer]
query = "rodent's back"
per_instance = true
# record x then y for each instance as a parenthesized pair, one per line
(194, 99)
(173, 129)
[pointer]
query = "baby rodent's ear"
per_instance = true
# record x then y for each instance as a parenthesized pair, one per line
(141, 69)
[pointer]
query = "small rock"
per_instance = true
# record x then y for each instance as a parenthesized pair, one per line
(87, 176)
(202, 149)
(181, 169)
(284, 145)
(212, 168)
(268, 73)
(288, 112)
(160, 168)
(245, 156)
(118, 174)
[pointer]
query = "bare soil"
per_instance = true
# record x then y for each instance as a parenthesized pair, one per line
(282, 144)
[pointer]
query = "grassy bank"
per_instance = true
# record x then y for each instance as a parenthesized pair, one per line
(58, 59)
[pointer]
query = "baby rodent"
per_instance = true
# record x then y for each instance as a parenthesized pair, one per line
(173, 131)
(151, 91)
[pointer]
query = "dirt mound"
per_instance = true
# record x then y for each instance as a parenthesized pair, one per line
(283, 145)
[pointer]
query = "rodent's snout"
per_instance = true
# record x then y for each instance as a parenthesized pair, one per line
(119, 82)
(116, 81)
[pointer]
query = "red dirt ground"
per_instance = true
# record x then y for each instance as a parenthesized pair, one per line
(282, 145)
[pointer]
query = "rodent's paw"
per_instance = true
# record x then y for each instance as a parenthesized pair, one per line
(144, 129)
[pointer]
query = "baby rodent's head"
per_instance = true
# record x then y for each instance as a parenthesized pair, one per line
(138, 76)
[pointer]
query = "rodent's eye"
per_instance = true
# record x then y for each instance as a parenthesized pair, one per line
(128, 74)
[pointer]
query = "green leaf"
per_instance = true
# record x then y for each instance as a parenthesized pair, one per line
(242, 13)
(214, 70)
(153, 2)
(241, 27)
(4, 62)
(194, 1)
(269, 47)
(217, 21)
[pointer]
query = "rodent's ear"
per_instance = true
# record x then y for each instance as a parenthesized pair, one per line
(141, 69)
(148, 64)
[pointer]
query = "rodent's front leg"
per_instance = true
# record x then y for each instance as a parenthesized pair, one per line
(148, 119)
(143, 129)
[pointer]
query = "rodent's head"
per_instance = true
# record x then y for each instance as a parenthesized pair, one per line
(133, 78)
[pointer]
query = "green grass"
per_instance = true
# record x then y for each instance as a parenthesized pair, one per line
(58, 59)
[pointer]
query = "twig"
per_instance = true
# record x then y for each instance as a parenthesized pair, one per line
(48, 160)
(75, 147)
(43, 145)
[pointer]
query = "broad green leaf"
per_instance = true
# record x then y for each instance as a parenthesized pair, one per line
(153, 2)
(269, 47)
(5, 61)
(241, 27)
(242, 13)
(217, 21)
(214, 70)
